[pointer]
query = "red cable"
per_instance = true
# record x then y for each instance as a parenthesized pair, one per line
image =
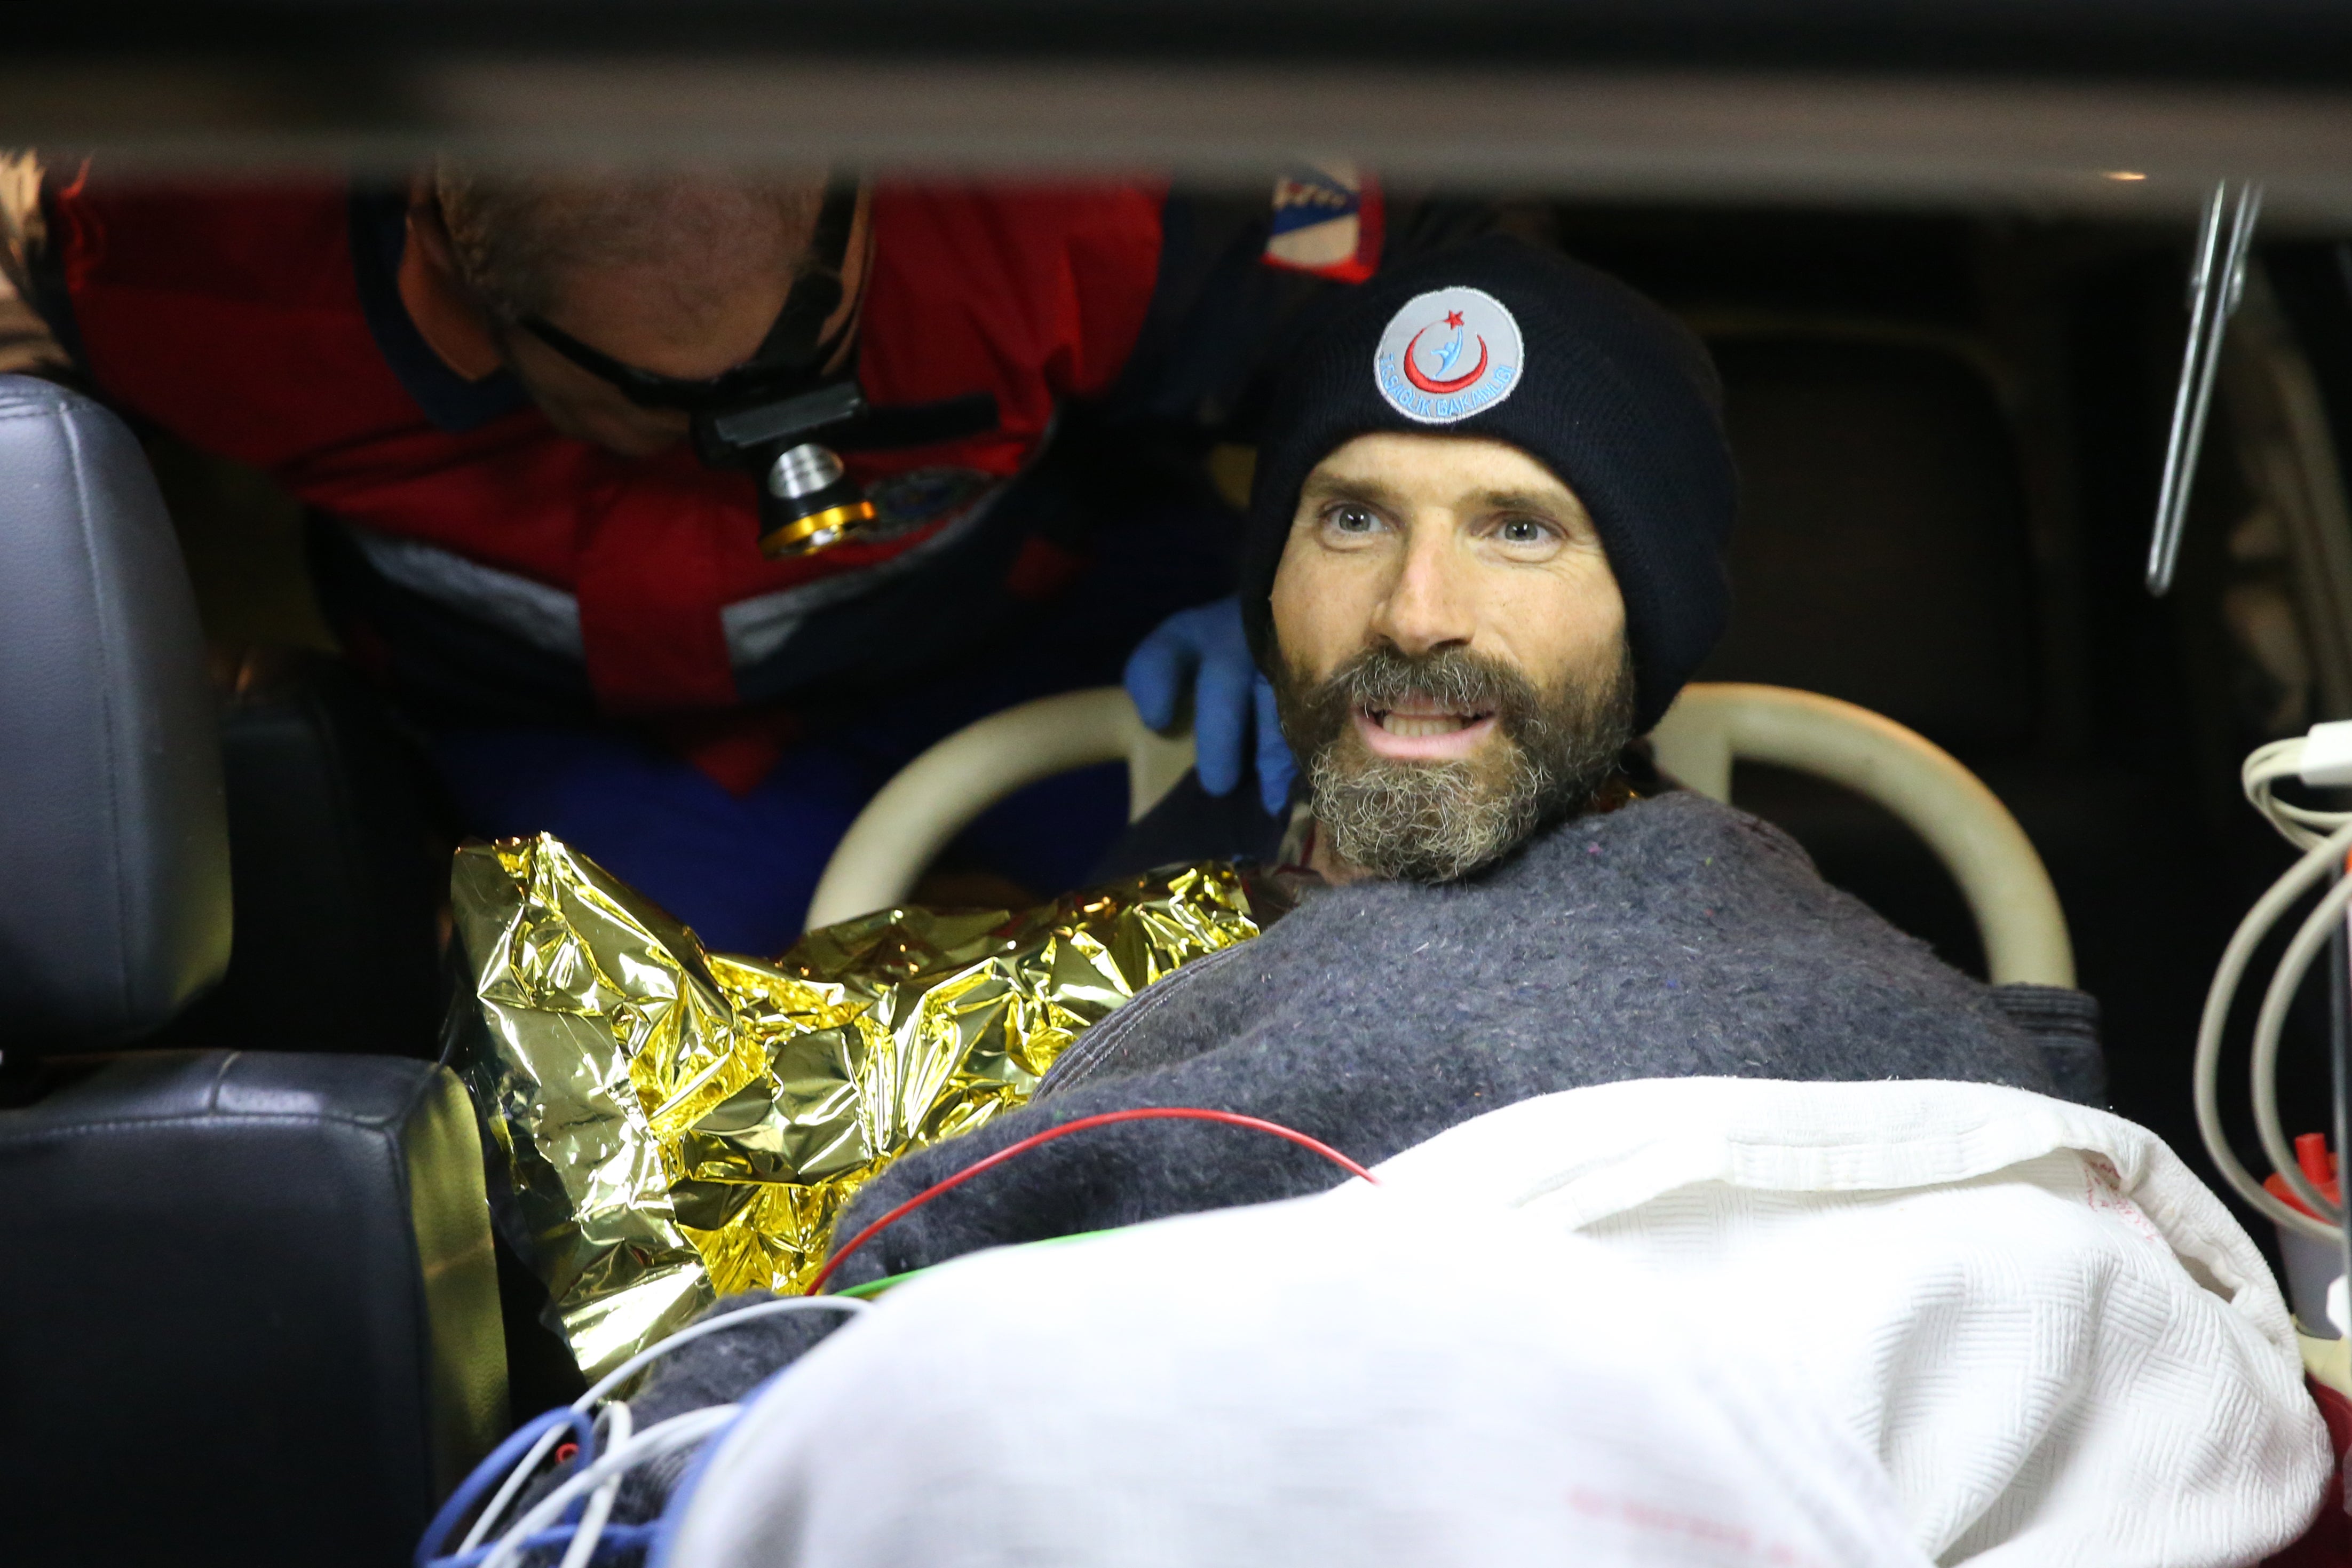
(1140, 1113)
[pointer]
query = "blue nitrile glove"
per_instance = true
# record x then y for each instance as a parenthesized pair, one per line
(1205, 646)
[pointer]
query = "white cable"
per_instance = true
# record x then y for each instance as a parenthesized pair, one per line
(488, 1518)
(2299, 877)
(523, 1471)
(2264, 767)
(2321, 760)
(600, 1506)
(662, 1437)
(2300, 826)
(733, 1319)
(2318, 927)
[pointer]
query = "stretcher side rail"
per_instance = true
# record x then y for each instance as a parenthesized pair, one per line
(1710, 727)
(2008, 890)
(940, 793)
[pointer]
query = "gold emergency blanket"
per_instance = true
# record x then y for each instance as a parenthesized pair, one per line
(678, 1124)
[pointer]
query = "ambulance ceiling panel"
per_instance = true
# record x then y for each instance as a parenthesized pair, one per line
(2044, 104)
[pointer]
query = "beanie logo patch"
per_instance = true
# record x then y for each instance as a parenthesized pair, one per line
(1448, 354)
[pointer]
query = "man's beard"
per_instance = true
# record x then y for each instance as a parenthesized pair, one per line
(1437, 821)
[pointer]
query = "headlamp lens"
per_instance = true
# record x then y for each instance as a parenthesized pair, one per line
(811, 505)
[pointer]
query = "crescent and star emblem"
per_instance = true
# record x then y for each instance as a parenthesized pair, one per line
(1446, 388)
(1436, 388)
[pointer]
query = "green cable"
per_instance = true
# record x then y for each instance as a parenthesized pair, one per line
(873, 1288)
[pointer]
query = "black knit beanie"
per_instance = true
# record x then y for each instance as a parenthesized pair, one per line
(1504, 340)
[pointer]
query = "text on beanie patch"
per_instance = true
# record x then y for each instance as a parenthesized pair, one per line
(1447, 354)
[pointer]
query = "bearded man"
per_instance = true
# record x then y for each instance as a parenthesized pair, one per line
(1488, 537)
(1562, 1011)
(1489, 527)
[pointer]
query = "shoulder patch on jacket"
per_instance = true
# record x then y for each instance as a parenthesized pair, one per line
(1327, 221)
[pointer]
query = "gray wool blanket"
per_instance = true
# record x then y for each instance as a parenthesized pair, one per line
(1674, 936)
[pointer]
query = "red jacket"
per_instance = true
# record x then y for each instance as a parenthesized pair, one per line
(253, 323)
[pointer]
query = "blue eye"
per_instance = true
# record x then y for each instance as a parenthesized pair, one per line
(1354, 519)
(1522, 530)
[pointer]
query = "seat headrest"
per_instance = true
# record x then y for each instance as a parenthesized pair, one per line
(114, 876)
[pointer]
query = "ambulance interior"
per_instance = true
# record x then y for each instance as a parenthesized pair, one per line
(1949, 429)
(1949, 400)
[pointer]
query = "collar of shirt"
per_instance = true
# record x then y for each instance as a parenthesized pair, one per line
(379, 238)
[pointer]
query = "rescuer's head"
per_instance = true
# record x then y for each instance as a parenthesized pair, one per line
(1486, 549)
(613, 298)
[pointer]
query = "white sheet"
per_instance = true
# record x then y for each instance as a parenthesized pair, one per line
(2058, 1342)
(1264, 1388)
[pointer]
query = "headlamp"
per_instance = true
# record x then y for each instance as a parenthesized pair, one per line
(766, 414)
(810, 502)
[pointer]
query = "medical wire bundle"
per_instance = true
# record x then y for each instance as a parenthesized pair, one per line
(551, 1522)
(2321, 759)
(608, 1450)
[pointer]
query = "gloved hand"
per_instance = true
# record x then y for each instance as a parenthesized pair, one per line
(1204, 646)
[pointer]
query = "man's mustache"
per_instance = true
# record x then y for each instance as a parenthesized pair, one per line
(1453, 680)
(1433, 821)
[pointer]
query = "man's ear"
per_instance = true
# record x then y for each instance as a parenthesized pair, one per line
(435, 292)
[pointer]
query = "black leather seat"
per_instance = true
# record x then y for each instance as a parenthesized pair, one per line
(340, 869)
(249, 1310)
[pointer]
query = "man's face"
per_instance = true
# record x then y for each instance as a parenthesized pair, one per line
(634, 315)
(1451, 667)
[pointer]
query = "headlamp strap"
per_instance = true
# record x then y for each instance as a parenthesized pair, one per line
(816, 294)
(788, 356)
